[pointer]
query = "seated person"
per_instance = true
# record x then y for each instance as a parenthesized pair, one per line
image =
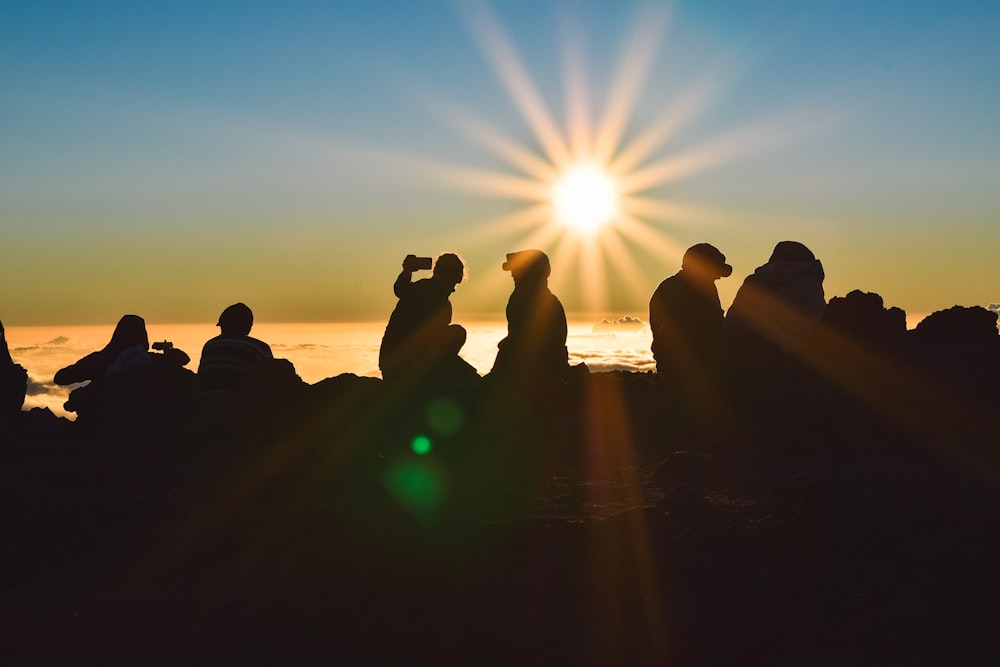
(420, 343)
(778, 305)
(13, 382)
(125, 371)
(233, 359)
(535, 347)
(685, 314)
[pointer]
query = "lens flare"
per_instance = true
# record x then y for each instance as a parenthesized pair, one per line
(421, 445)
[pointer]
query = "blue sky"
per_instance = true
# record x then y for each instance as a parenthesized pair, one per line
(171, 159)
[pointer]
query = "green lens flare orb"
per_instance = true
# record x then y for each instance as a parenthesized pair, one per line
(417, 485)
(445, 416)
(421, 445)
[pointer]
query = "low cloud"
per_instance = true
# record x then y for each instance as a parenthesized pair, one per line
(601, 361)
(995, 307)
(36, 388)
(624, 323)
(56, 343)
(299, 347)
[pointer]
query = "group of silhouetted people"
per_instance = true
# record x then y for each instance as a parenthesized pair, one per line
(770, 322)
(771, 317)
(774, 309)
(421, 345)
(127, 372)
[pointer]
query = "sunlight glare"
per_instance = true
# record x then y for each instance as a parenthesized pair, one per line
(585, 199)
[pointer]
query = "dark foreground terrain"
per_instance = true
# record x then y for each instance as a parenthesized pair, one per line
(844, 514)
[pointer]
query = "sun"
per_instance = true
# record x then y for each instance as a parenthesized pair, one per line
(585, 198)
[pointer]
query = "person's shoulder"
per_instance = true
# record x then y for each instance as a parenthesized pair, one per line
(669, 284)
(212, 344)
(264, 347)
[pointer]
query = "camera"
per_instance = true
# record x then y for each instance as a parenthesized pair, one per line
(163, 345)
(414, 263)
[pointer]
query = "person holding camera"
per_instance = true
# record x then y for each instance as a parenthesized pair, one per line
(127, 349)
(125, 371)
(420, 343)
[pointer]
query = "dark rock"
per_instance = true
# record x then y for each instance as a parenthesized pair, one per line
(958, 326)
(863, 317)
(962, 347)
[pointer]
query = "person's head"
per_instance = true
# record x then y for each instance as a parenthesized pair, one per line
(528, 266)
(706, 261)
(449, 269)
(129, 332)
(236, 320)
(791, 251)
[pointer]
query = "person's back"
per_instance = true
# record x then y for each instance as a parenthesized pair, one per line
(227, 362)
(535, 346)
(685, 314)
(232, 359)
(777, 306)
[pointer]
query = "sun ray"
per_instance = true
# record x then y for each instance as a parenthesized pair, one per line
(490, 182)
(623, 557)
(593, 276)
(767, 134)
(688, 105)
(633, 70)
(503, 57)
(543, 237)
(563, 255)
(511, 152)
(578, 121)
(675, 212)
(660, 245)
(621, 258)
(505, 226)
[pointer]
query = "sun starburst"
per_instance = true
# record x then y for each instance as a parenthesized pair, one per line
(592, 198)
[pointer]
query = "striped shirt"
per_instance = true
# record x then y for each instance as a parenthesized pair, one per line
(228, 362)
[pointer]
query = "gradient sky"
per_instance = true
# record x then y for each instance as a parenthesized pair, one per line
(168, 159)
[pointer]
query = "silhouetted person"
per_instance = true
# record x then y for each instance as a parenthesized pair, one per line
(686, 316)
(420, 343)
(125, 371)
(234, 360)
(535, 347)
(778, 305)
(13, 382)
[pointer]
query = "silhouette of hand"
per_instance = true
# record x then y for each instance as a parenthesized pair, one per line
(413, 263)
